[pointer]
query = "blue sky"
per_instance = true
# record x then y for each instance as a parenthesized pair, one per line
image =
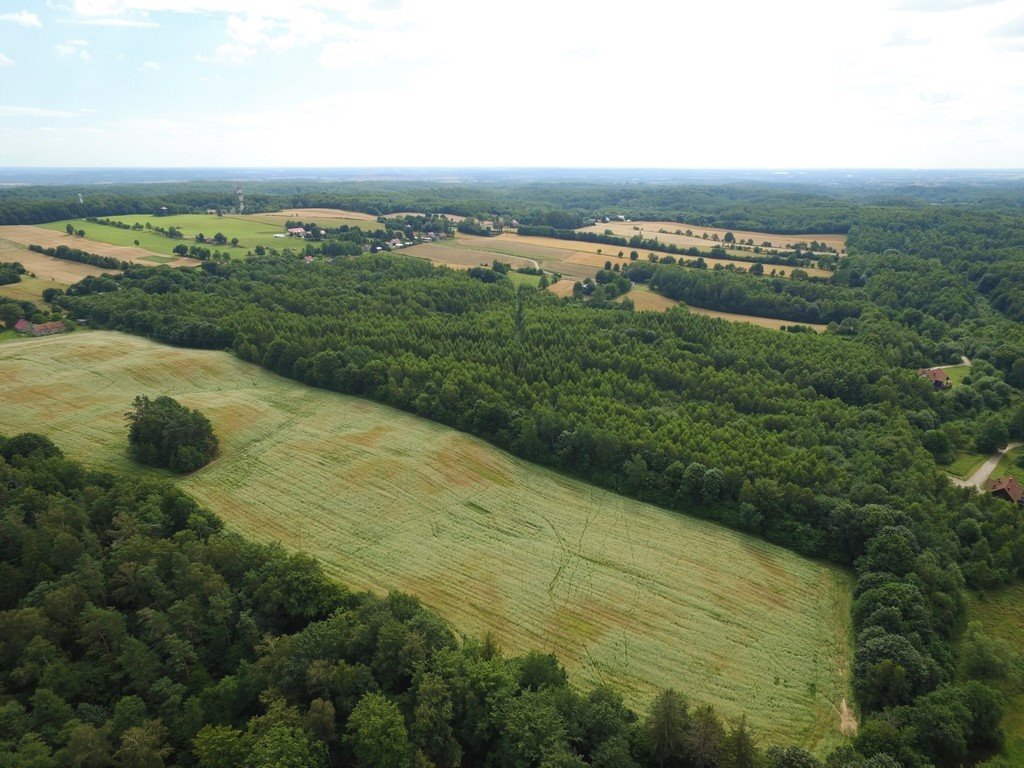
(730, 83)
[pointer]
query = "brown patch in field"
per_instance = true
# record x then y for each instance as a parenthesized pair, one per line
(29, 235)
(369, 438)
(847, 720)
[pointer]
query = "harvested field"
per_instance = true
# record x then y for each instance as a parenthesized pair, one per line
(665, 232)
(610, 253)
(563, 287)
(648, 301)
(47, 268)
(52, 235)
(464, 257)
(764, 322)
(624, 592)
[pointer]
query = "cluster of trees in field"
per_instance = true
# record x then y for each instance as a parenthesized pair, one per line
(138, 632)
(82, 257)
(782, 298)
(11, 272)
(164, 433)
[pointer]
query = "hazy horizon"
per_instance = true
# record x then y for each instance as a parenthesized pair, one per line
(903, 84)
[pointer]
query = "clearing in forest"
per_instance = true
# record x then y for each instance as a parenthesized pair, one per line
(666, 231)
(624, 592)
(572, 258)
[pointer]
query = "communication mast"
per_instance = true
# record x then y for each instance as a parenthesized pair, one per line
(241, 199)
(80, 200)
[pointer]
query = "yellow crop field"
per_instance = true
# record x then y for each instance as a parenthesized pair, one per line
(665, 231)
(626, 593)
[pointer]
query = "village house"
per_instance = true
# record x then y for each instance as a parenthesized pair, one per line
(1007, 488)
(937, 376)
(40, 329)
(296, 231)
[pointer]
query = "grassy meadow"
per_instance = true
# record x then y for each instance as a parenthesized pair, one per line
(1008, 465)
(1001, 615)
(965, 464)
(250, 231)
(625, 593)
(957, 373)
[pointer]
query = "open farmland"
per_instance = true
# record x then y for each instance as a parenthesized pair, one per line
(61, 272)
(624, 592)
(665, 231)
(250, 232)
(96, 241)
(1001, 615)
(571, 258)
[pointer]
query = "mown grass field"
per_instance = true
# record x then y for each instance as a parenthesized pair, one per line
(624, 592)
(957, 373)
(1001, 615)
(250, 231)
(965, 464)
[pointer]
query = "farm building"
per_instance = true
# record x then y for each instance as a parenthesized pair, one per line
(42, 329)
(297, 231)
(937, 376)
(1007, 488)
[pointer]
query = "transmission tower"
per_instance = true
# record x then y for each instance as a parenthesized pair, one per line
(241, 199)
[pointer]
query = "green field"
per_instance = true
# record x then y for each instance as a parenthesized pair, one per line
(964, 465)
(29, 289)
(249, 231)
(1001, 615)
(624, 592)
(1008, 465)
(957, 374)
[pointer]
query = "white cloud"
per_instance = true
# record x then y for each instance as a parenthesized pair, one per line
(71, 48)
(6, 61)
(24, 18)
(904, 36)
(118, 22)
(940, 5)
(152, 65)
(12, 111)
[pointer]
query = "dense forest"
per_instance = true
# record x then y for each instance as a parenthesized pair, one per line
(824, 443)
(811, 441)
(136, 632)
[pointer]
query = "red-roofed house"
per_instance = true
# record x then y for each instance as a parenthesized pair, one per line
(45, 329)
(1007, 488)
(22, 326)
(938, 377)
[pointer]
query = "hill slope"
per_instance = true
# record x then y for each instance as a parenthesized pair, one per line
(624, 592)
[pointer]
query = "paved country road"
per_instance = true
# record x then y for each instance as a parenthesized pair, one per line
(981, 475)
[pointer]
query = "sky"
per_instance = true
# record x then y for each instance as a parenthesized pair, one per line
(531, 83)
